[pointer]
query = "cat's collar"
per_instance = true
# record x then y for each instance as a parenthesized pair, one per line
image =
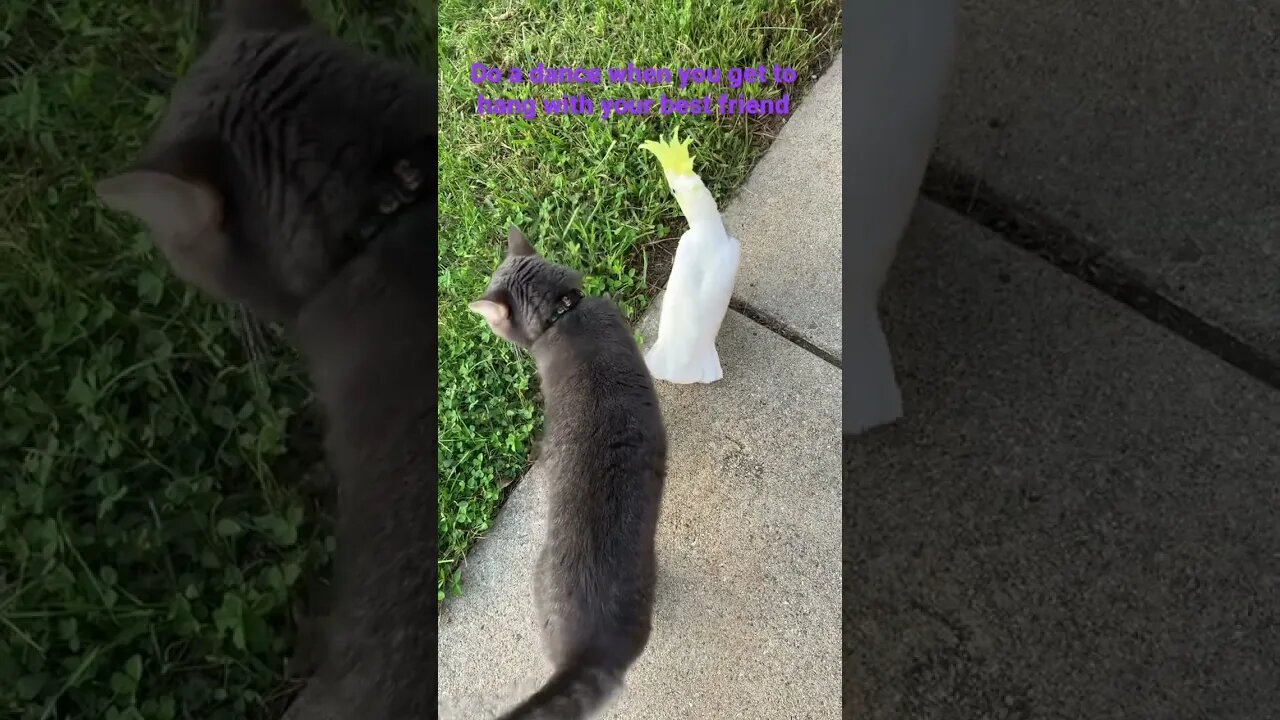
(402, 187)
(566, 303)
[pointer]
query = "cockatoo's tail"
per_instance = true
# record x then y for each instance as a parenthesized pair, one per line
(696, 203)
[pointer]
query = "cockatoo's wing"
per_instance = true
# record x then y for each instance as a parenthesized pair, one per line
(710, 277)
(693, 308)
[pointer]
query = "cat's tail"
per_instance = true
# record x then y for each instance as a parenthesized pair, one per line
(575, 692)
(676, 364)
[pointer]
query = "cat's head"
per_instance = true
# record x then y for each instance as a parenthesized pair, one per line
(524, 292)
(254, 177)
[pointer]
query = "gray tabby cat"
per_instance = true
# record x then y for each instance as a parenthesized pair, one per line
(605, 455)
(288, 176)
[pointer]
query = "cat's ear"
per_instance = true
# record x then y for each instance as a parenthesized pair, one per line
(265, 15)
(169, 206)
(183, 216)
(493, 311)
(497, 314)
(518, 244)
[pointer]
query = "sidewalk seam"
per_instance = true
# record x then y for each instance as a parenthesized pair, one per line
(778, 327)
(1034, 232)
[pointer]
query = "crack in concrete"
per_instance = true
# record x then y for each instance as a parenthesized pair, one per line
(1068, 251)
(778, 327)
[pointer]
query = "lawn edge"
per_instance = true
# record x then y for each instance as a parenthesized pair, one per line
(767, 126)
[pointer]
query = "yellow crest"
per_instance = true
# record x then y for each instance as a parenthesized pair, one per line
(673, 155)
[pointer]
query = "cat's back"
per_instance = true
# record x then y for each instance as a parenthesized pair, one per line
(278, 83)
(592, 353)
(604, 448)
(596, 388)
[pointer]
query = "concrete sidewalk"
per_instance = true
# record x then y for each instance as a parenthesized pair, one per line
(1148, 127)
(748, 614)
(1079, 516)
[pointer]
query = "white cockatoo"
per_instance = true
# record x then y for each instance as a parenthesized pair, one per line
(702, 276)
(893, 94)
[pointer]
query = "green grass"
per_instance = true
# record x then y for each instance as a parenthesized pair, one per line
(579, 186)
(154, 535)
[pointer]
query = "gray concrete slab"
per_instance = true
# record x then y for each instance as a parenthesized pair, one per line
(1079, 516)
(788, 218)
(1149, 127)
(747, 619)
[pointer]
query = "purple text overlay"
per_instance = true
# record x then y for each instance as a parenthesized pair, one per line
(715, 102)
